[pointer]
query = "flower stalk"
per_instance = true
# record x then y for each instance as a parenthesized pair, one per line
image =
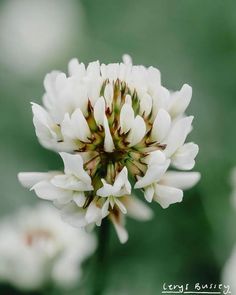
(102, 258)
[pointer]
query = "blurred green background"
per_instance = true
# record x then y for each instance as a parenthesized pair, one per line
(190, 42)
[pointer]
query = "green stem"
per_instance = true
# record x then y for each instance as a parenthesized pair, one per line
(101, 259)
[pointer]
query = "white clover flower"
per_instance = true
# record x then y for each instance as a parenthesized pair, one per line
(117, 128)
(37, 248)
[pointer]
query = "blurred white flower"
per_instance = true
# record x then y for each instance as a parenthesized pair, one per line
(122, 127)
(37, 248)
(35, 33)
(229, 270)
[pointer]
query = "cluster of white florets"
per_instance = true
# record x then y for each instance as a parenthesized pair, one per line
(116, 129)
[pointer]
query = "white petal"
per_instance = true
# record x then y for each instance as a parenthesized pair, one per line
(76, 127)
(120, 230)
(67, 128)
(121, 206)
(29, 179)
(185, 155)
(112, 201)
(161, 126)
(138, 209)
(177, 135)
(49, 80)
(45, 128)
(70, 182)
(122, 181)
(93, 213)
(155, 158)
(166, 195)
(124, 71)
(49, 85)
(41, 115)
(153, 174)
(181, 100)
(46, 190)
(145, 105)
(149, 193)
(106, 190)
(126, 117)
(127, 59)
(99, 111)
(128, 99)
(137, 131)
(93, 69)
(161, 99)
(77, 96)
(108, 94)
(74, 165)
(120, 187)
(60, 81)
(74, 215)
(93, 87)
(110, 71)
(154, 76)
(76, 69)
(105, 208)
(108, 141)
(79, 122)
(79, 198)
(181, 180)
(139, 78)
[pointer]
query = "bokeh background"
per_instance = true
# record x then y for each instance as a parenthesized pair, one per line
(190, 42)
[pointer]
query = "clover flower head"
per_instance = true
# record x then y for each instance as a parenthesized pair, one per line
(117, 129)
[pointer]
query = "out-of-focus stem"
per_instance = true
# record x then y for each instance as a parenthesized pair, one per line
(100, 275)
